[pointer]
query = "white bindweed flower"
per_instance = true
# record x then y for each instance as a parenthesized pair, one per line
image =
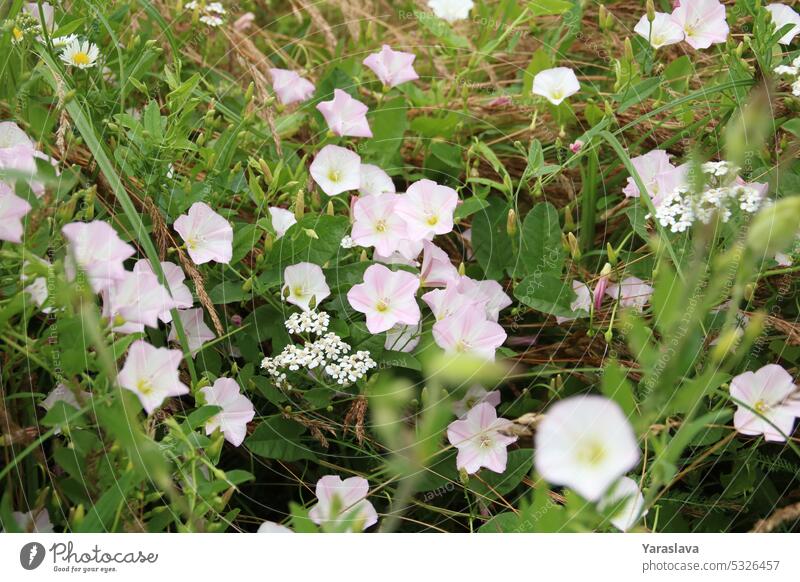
(585, 443)
(663, 31)
(282, 219)
(556, 84)
(451, 10)
(304, 285)
(208, 236)
(766, 403)
(237, 410)
(375, 181)
(783, 15)
(181, 296)
(336, 169)
(152, 374)
(427, 208)
(197, 332)
(270, 527)
(80, 54)
(343, 504)
(628, 501)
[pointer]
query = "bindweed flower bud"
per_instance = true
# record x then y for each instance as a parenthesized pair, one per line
(574, 248)
(651, 10)
(511, 223)
(299, 205)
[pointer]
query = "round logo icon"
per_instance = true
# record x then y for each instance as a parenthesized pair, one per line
(31, 555)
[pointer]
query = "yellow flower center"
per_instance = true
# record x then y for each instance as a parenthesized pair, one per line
(144, 386)
(557, 94)
(592, 453)
(432, 219)
(486, 442)
(298, 291)
(382, 306)
(334, 175)
(761, 406)
(17, 33)
(380, 226)
(80, 58)
(462, 346)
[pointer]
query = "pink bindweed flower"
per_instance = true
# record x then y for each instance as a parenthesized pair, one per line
(33, 521)
(556, 84)
(18, 153)
(474, 396)
(783, 259)
(237, 410)
(386, 297)
(181, 296)
(651, 167)
(375, 181)
(488, 292)
(403, 338)
(345, 116)
(585, 443)
(377, 223)
(582, 303)
(781, 16)
(601, 286)
(336, 169)
(304, 285)
(469, 333)
(451, 10)
(197, 332)
(343, 504)
(663, 31)
(96, 249)
(290, 87)
(635, 292)
(428, 209)
(479, 440)
(244, 22)
(282, 220)
(451, 301)
(135, 301)
(437, 270)
(765, 398)
(12, 210)
(392, 67)
(703, 22)
(152, 374)
(208, 236)
(629, 501)
(576, 146)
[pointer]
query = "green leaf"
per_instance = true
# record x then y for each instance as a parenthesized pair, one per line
(616, 386)
(297, 246)
(278, 438)
(548, 7)
(546, 292)
(490, 241)
(540, 245)
(489, 485)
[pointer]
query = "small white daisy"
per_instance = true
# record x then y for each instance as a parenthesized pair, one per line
(80, 54)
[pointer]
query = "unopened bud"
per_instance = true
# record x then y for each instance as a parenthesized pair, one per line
(651, 10)
(299, 205)
(574, 248)
(329, 209)
(511, 223)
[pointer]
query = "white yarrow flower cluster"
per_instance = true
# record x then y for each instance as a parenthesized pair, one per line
(347, 242)
(680, 208)
(328, 353)
(315, 322)
(211, 13)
